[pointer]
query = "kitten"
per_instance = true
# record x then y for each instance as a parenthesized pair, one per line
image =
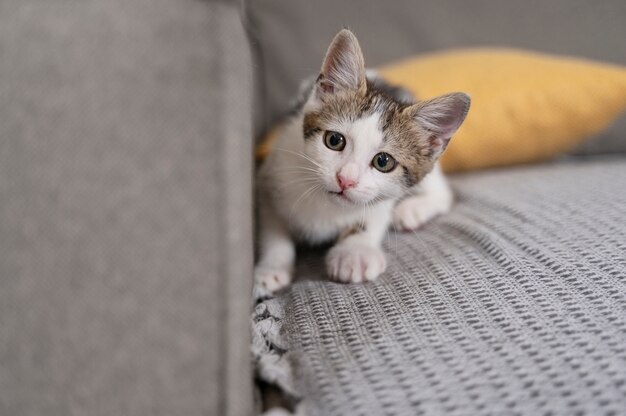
(358, 156)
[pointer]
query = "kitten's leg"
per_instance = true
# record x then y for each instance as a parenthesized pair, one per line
(358, 256)
(431, 197)
(277, 253)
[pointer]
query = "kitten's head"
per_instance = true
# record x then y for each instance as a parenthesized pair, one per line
(369, 141)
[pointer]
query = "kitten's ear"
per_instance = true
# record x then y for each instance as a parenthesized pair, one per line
(343, 68)
(441, 117)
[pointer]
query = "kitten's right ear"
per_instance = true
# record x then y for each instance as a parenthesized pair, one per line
(343, 68)
(441, 117)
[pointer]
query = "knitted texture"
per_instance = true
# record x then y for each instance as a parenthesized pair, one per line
(514, 303)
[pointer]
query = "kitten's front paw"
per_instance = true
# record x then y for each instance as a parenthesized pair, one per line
(269, 280)
(415, 211)
(355, 262)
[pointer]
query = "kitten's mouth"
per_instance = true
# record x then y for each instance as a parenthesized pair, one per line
(341, 195)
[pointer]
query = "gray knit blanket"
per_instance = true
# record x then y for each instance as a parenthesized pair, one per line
(512, 304)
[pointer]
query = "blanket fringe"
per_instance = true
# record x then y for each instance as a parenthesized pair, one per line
(269, 352)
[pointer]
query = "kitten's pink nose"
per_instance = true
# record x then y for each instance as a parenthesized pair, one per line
(345, 183)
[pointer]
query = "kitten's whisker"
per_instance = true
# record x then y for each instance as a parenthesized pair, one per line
(287, 174)
(302, 197)
(383, 195)
(301, 155)
(297, 169)
(299, 175)
(309, 176)
(298, 181)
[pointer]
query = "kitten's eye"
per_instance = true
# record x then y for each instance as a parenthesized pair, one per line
(384, 162)
(334, 141)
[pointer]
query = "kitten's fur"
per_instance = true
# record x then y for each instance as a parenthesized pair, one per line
(311, 193)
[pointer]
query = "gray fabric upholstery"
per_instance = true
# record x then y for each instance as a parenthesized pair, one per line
(125, 208)
(512, 304)
(291, 37)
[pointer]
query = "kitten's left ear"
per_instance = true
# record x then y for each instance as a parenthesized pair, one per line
(441, 117)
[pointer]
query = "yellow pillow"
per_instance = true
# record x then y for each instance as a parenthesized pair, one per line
(526, 106)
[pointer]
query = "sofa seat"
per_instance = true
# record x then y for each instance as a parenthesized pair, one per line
(513, 303)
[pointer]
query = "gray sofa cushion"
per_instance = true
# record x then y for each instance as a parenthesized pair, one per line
(290, 38)
(125, 208)
(513, 303)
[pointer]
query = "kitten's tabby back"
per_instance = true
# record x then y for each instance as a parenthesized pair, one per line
(357, 156)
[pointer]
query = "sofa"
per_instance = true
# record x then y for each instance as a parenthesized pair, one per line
(127, 131)
(126, 208)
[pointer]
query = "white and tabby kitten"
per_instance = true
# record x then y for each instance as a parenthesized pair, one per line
(357, 156)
